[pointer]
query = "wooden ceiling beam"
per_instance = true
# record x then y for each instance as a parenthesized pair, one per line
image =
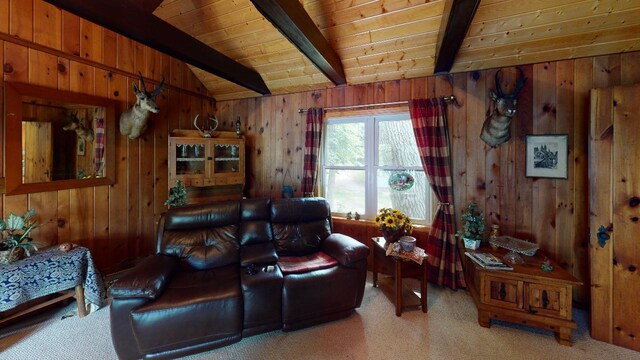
(149, 5)
(127, 18)
(453, 29)
(296, 25)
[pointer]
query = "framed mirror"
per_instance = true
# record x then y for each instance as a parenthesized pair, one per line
(57, 139)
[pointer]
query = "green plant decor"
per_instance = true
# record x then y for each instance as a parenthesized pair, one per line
(177, 195)
(472, 223)
(15, 232)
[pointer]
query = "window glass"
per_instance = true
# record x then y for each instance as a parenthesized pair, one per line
(412, 202)
(345, 190)
(397, 144)
(370, 162)
(344, 144)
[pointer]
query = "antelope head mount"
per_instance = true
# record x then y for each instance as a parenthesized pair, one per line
(213, 125)
(76, 125)
(496, 128)
(134, 121)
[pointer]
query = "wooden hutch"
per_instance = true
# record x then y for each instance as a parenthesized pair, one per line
(212, 169)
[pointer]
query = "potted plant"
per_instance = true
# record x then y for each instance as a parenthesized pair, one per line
(393, 224)
(177, 195)
(15, 241)
(472, 231)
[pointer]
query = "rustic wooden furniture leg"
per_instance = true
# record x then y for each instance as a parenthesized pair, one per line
(563, 336)
(82, 309)
(398, 287)
(484, 318)
(423, 286)
(374, 265)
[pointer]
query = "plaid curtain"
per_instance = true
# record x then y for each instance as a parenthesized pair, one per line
(315, 117)
(99, 146)
(430, 128)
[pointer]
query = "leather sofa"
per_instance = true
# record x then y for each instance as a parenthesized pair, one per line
(217, 276)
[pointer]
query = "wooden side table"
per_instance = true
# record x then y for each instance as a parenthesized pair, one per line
(526, 295)
(379, 254)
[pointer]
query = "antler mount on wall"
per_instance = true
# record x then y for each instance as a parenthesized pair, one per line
(496, 128)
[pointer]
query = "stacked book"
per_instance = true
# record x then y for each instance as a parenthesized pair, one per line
(488, 261)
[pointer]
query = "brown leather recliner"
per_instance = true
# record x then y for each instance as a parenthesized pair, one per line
(207, 287)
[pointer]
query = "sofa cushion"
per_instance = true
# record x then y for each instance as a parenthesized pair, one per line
(202, 216)
(258, 254)
(301, 264)
(255, 216)
(300, 225)
(196, 307)
(203, 248)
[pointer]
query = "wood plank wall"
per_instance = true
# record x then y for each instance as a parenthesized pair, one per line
(43, 45)
(555, 99)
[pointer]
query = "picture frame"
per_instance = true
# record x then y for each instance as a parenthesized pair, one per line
(81, 146)
(547, 156)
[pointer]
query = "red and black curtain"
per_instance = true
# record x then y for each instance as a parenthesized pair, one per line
(428, 117)
(313, 136)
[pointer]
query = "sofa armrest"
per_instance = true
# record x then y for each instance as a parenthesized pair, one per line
(258, 254)
(147, 280)
(345, 249)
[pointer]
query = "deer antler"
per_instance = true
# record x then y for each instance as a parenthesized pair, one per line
(517, 89)
(520, 83)
(144, 88)
(498, 88)
(158, 89)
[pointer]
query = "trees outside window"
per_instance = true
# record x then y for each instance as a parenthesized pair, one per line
(361, 153)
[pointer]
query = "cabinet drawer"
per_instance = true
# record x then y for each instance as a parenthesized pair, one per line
(546, 300)
(235, 180)
(505, 293)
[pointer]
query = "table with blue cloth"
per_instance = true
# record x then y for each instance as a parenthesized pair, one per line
(51, 271)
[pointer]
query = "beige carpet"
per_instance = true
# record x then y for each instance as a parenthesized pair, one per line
(448, 331)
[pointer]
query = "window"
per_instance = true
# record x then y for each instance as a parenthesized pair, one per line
(360, 155)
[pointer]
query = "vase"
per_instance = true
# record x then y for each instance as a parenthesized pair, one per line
(392, 236)
(9, 256)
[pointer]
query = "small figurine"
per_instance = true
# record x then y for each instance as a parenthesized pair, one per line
(546, 265)
(349, 215)
(357, 217)
(65, 247)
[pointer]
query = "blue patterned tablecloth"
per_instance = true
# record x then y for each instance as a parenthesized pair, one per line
(47, 272)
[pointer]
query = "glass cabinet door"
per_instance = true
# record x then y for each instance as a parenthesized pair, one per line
(226, 158)
(190, 158)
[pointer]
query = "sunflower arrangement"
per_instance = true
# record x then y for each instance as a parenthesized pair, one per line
(393, 222)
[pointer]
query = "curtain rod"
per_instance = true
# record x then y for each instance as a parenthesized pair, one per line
(450, 98)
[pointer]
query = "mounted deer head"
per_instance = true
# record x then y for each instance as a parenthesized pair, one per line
(496, 128)
(206, 133)
(76, 124)
(133, 122)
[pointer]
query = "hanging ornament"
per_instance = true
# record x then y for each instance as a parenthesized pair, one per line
(401, 181)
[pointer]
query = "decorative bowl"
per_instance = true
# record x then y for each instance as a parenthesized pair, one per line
(408, 243)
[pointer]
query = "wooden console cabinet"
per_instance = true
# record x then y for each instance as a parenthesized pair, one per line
(527, 295)
(211, 168)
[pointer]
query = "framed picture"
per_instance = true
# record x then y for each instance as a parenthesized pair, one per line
(547, 156)
(81, 146)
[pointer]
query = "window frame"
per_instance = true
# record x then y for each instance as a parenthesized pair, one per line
(371, 160)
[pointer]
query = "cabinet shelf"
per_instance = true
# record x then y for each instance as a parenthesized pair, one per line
(227, 159)
(190, 159)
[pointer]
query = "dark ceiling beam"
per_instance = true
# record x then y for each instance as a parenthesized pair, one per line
(453, 29)
(127, 18)
(290, 17)
(149, 5)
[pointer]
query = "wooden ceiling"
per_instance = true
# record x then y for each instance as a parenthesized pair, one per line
(395, 39)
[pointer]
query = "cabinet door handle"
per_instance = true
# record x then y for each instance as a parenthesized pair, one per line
(531, 310)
